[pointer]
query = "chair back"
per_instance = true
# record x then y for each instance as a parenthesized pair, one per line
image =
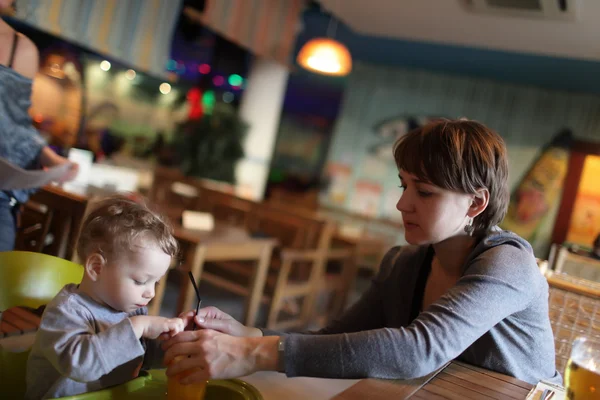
(576, 265)
(28, 279)
(32, 279)
(574, 307)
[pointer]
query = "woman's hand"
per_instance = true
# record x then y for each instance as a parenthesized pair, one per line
(213, 318)
(49, 159)
(71, 172)
(208, 354)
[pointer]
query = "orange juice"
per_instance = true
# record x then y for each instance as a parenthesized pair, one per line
(177, 391)
(581, 382)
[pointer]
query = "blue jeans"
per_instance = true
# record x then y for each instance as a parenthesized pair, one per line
(8, 226)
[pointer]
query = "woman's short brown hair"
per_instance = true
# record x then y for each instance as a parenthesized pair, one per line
(462, 156)
(117, 223)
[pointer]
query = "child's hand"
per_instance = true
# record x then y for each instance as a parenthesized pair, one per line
(152, 327)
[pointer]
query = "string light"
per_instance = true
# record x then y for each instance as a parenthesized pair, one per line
(204, 69)
(208, 101)
(130, 74)
(228, 97)
(165, 88)
(218, 80)
(171, 65)
(105, 66)
(235, 80)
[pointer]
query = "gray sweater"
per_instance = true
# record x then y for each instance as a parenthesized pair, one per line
(82, 346)
(495, 317)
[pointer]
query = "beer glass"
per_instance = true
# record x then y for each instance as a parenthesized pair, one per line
(582, 375)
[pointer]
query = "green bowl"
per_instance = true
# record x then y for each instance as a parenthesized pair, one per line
(153, 385)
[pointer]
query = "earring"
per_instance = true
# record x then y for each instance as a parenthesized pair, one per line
(469, 228)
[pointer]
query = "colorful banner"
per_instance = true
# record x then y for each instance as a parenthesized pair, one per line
(539, 190)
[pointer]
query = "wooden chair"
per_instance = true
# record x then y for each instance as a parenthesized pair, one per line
(335, 285)
(307, 200)
(34, 224)
(576, 265)
(300, 272)
(173, 192)
(256, 251)
(225, 207)
(68, 210)
(292, 268)
(297, 268)
(162, 180)
(574, 307)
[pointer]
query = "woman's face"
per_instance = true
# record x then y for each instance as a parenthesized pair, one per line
(431, 214)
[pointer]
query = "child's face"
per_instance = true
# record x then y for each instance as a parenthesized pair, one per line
(127, 282)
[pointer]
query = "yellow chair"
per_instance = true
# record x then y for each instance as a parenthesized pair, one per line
(32, 279)
(28, 279)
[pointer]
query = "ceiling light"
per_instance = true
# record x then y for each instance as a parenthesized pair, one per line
(326, 55)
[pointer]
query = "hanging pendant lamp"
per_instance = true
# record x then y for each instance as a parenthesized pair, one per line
(326, 55)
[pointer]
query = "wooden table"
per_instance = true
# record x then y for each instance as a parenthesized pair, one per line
(18, 321)
(223, 243)
(456, 380)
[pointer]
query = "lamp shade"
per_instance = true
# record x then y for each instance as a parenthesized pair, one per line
(325, 56)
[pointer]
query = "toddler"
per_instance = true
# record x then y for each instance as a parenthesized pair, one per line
(98, 334)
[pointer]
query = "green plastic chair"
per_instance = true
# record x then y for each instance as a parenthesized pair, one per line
(28, 279)
(32, 279)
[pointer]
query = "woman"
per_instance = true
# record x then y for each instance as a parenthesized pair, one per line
(465, 289)
(20, 143)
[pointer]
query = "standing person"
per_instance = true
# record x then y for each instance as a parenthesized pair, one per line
(464, 289)
(20, 143)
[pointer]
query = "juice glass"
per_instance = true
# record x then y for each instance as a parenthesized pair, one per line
(177, 391)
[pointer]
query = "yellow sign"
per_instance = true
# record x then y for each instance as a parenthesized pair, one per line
(585, 219)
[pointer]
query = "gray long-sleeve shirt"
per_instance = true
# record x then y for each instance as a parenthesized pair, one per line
(82, 346)
(495, 317)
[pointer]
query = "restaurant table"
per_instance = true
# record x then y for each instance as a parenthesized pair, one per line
(456, 381)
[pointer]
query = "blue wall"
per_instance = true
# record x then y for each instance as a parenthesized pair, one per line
(528, 117)
(549, 72)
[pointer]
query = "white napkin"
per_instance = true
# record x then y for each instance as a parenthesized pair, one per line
(538, 390)
(198, 220)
